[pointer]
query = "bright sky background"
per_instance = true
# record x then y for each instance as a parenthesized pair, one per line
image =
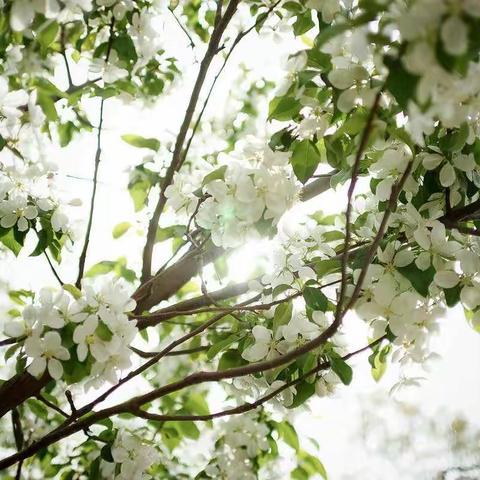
(452, 386)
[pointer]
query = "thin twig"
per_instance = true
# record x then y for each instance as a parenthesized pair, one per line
(51, 405)
(64, 55)
(83, 255)
(184, 30)
(11, 341)
(52, 268)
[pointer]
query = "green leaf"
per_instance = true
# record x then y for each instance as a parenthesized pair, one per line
(9, 240)
(94, 471)
(103, 332)
(312, 465)
(304, 391)
(325, 267)
(378, 361)
(101, 268)
(222, 345)
(10, 352)
(401, 84)
(288, 434)
(315, 298)
(303, 24)
(73, 290)
(173, 231)
(282, 315)
(231, 359)
(125, 48)
(305, 159)
(284, 108)
(43, 240)
(341, 368)
(455, 141)
(186, 429)
(217, 174)
(38, 408)
(48, 106)
(452, 295)
(196, 403)
(139, 193)
(47, 35)
(120, 229)
(141, 142)
(106, 453)
(420, 279)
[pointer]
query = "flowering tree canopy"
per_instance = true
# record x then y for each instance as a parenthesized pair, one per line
(380, 100)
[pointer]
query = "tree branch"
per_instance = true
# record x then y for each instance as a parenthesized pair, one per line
(249, 406)
(83, 255)
(351, 189)
(177, 159)
(64, 432)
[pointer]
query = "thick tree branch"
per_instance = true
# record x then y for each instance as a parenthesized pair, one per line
(249, 406)
(129, 407)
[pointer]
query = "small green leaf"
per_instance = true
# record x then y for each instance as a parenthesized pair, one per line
(288, 434)
(341, 368)
(305, 159)
(101, 268)
(9, 240)
(73, 290)
(452, 295)
(401, 84)
(230, 359)
(141, 142)
(103, 332)
(284, 108)
(304, 391)
(303, 24)
(315, 298)
(420, 279)
(43, 239)
(106, 453)
(222, 345)
(282, 315)
(46, 36)
(139, 193)
(455, 141)
(197, 404)
(312, 465)
(217, 174)
(120, 229)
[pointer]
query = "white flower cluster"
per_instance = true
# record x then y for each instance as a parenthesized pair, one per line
(243, 438)
(27, 192)
(10, 103)
(133, 456)
(23, 11)
(352, 68)
(94, 326)
(290, 263)
(293, 334)
(448, 96)
(261, 187)
(388, 299)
